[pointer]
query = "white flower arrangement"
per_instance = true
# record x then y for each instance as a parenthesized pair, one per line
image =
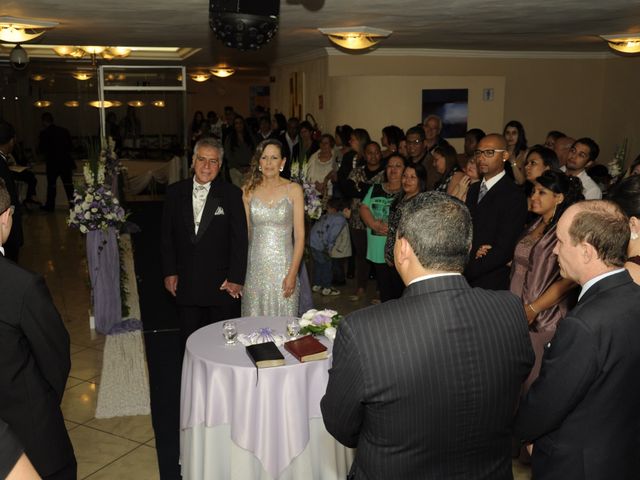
(616, 166)
(320, 322)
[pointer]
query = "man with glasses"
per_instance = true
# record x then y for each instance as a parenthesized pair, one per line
(499, 209)
(34, 362)
(582, 154)
(418, 153)
(7, 142)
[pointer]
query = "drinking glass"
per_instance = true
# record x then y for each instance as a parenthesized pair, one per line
(293, 327)
(229, 332)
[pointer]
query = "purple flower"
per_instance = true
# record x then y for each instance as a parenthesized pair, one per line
(321, 319)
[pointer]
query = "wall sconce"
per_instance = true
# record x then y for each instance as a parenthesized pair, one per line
(624, 43)
(20, 30)
(82, 76)
(200, 77)
(355, 38)
(42, 103)
(222, 72)
(72, 104)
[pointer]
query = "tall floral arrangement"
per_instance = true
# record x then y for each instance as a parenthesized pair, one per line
(94, 205)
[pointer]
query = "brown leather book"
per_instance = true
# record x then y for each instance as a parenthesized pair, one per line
(306, 348)
(265, 355)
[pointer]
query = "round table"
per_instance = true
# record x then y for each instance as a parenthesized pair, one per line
(240, 422)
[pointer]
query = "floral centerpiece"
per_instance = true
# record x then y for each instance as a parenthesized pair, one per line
(94, 205)
(320, 322)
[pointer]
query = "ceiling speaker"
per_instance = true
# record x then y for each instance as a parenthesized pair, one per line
(244, 24)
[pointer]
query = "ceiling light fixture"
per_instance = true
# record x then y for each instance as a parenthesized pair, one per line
(624, 43)
(200, 77)
(38, 77)
(222, 72)
(158, 103)
(99, 104)
(93, 51)
(42, 103)
(136, 103)
(355, 38)
(19, 30)
(82, 76)
(72, 104)
(116, 103)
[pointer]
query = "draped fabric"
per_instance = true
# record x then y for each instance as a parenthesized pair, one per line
(103, 259)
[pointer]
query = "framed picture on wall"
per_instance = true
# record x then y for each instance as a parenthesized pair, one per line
(451, 105)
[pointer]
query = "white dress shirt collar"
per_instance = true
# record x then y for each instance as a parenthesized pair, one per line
(432, 275)
(2, 250)
(492, 181)
(595, 280)
(207, 185)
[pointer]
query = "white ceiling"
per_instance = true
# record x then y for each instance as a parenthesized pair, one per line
(562, 25)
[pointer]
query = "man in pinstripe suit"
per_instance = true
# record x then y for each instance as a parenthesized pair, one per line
(425, 387)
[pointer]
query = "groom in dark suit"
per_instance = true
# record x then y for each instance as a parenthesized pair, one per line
(426, 386)
(34, 363)
(582, 413)
(204, 242)
(499, 211)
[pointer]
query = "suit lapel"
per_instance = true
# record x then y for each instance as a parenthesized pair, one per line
(187, 210)
(210, 207)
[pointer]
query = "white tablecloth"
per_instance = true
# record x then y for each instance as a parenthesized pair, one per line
(272, 415)
(141, 172)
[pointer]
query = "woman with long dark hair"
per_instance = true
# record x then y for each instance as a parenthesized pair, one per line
(238, 151)
(535, 274)
(517, 147)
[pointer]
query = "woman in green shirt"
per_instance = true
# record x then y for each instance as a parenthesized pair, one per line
(374, 212)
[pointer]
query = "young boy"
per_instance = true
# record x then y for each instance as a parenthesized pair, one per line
(330, 229)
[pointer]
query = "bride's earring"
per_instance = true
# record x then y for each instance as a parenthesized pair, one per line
(282, 169)
(260, 168)
(634, 235)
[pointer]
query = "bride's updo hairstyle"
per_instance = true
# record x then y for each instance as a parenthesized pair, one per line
(255, 175)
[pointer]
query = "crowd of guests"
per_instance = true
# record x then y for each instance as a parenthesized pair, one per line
(428, 223)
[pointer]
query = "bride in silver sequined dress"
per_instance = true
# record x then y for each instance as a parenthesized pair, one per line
(275, 215)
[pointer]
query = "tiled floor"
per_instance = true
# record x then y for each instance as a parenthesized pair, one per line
(120, 448)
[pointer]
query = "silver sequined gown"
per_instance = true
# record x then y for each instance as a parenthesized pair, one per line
(270, 252)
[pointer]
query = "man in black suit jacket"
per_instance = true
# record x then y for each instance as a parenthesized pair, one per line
(582, 413)
(204, 242)
(34, 363)
(426, 386)
(499, 211)
(7, 142)
(55, 145)
(290, 146)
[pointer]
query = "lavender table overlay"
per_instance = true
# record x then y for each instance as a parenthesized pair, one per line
(269, 412)
(103, 258)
